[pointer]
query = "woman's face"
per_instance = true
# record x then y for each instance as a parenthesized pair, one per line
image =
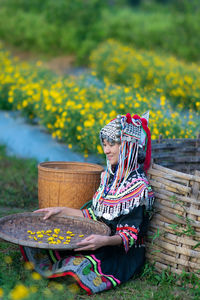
(111, 151)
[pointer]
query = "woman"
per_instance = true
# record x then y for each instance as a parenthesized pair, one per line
(122, 202)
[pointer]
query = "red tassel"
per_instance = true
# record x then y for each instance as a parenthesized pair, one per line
(148, 150)
(136, 117)
(128, 118)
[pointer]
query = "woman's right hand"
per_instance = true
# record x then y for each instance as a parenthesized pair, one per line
(50, 211)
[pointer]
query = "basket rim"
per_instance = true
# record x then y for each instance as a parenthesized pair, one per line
(43, 166)
(23, 242)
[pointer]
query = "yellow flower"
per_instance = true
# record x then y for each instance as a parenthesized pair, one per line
(8, 259)
(167, 132)
(1, 292)
(24, 103)
(162, 100)
(19, 292)
(126, 90)
(29, 265)
(36, 276)
(58, 286)
(88, 123)
(38, 63)
(137, 104)
(74, 288)
(79, 128)
(33, 289)
(10, 99)
(99, 149)
(69, 146)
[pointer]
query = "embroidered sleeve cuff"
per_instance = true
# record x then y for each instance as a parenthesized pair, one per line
(128, 235)
(88, 213)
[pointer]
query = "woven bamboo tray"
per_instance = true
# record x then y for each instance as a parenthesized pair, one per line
(69, 184)
(174, 233)
(23, 227)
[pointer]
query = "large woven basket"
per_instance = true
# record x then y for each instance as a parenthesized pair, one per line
(69, 184)
(174, 234)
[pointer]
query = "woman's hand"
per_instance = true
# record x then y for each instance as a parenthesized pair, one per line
(50, 211)
(94, 241)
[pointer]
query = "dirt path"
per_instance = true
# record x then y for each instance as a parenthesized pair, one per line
(63, 64)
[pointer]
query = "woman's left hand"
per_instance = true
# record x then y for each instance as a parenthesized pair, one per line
(92, 242)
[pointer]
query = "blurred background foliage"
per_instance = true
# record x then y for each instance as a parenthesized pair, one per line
(77, 27)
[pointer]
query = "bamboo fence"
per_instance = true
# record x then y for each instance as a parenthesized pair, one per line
(174, 233)
(177, 154)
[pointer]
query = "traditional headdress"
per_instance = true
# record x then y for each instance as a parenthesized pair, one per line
(125, 186)
(133, 135)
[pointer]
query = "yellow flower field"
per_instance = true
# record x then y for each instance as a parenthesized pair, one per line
(179, 82)
(74, 110)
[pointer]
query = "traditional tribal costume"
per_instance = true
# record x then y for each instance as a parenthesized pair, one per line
(122, 202)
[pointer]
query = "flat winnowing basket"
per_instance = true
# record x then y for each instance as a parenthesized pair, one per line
(174, 233)
(69, 184)
(63, 233)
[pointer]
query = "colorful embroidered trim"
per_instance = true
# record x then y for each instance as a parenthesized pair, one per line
(97, 268)
(128, 235)
(88, 213)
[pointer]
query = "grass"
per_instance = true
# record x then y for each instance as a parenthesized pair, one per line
(18, 179)
(18, 182)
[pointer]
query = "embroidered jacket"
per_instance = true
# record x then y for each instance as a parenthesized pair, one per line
(124, 212)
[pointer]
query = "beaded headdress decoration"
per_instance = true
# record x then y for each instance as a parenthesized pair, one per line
(133, 134)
